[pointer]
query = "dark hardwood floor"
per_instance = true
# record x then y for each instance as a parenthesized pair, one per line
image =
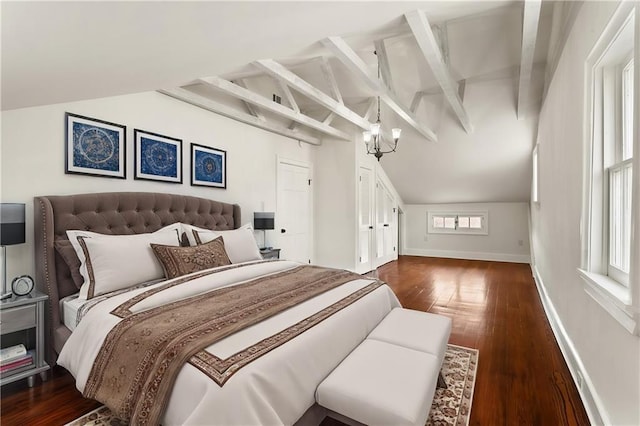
(522, 378)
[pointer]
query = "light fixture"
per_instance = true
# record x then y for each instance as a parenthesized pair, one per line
(12, 231)
(264, 221)
(374, 137)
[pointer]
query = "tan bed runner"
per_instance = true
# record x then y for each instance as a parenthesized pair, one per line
(135, 370)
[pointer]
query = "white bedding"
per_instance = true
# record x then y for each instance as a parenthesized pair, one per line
(278, 387)
(69, 306)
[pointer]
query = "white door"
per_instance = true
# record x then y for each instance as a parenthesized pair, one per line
(384, 227)
(365, 220)
(388, 225)
(380, 221)
(293, 216)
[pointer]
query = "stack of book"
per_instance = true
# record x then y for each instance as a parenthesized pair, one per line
(15, 359)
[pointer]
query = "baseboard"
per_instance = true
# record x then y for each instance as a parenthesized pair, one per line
(470, 255)
(592, 402)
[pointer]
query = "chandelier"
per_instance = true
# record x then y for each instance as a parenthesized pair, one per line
(374, 138)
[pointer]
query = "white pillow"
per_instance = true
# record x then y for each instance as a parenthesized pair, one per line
(239, 243)
(114, 262)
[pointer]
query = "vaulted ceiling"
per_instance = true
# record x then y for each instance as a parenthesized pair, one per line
(464, 80)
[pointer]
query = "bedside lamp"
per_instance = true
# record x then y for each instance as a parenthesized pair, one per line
(11, 232)
(264, 221)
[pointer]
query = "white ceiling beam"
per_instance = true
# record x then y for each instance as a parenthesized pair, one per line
(252, 72)
(428, 44)
(371, 108)
(278, 71)
(329, 118)
(331, 80)
(415, 103)
(530, 21)
(357, 66)
(287, 94)
(192, 98)
(383, 60)
(268, 105)
(252, 110)
(462, 86)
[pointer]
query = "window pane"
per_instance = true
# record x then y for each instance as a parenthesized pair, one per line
(450, 222)
(476, 222)
(463, 221)
(627, 111)
(620, 178)
(438, 222)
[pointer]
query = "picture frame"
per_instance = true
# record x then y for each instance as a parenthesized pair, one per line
(157, 157)
(208, 166)
(95, 147)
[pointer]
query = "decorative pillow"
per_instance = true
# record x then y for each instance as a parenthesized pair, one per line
(188, 231)
(68, 254)
(114, 262)
(239, 243)
(177, 261)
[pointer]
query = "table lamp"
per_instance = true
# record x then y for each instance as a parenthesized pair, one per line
(264, 221)
(12, 231)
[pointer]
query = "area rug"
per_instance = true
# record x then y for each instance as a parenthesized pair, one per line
(451, 406)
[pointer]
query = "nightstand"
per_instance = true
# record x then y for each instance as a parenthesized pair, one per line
(272, 253)
(22, 322)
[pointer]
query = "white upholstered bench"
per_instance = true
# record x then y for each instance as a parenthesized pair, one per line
(390, 378)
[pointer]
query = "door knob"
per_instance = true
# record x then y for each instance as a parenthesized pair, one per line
(282, 231)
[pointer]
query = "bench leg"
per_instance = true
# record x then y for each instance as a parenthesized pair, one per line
(441, 383)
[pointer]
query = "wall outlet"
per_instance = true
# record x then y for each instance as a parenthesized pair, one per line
(520, 243)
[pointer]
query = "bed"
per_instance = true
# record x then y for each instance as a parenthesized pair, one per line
(295, 323)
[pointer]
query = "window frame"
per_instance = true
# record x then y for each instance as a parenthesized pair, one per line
(535, 175)
(484, 230)
(620, 301)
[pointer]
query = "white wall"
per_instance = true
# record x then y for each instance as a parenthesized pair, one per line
(508, 238)
(32, 157)
(335, 204)
(337, 165)
(596, 345)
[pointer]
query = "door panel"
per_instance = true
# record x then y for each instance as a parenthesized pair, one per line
(385, 224)
(365, 220)
(294, 215)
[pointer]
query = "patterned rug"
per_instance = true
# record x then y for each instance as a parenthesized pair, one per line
(451, 406)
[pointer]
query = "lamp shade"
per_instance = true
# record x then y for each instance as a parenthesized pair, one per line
(11, 224)
(264, 220)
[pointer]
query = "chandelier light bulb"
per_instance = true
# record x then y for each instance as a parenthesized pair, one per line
(366, 135)
(375, 129)
(395, 133)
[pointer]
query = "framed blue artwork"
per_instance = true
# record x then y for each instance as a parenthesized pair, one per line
(157, 157)
(208, 166)
(95, 147)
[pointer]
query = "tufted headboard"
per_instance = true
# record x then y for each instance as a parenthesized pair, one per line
(115, 213)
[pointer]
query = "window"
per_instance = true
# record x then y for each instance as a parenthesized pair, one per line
(457, 223)
(535, 198)
(607, 203)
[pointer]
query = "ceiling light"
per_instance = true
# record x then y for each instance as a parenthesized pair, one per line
(374, 137)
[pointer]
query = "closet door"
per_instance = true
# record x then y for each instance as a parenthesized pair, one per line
(365, 220)
(386, 225)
